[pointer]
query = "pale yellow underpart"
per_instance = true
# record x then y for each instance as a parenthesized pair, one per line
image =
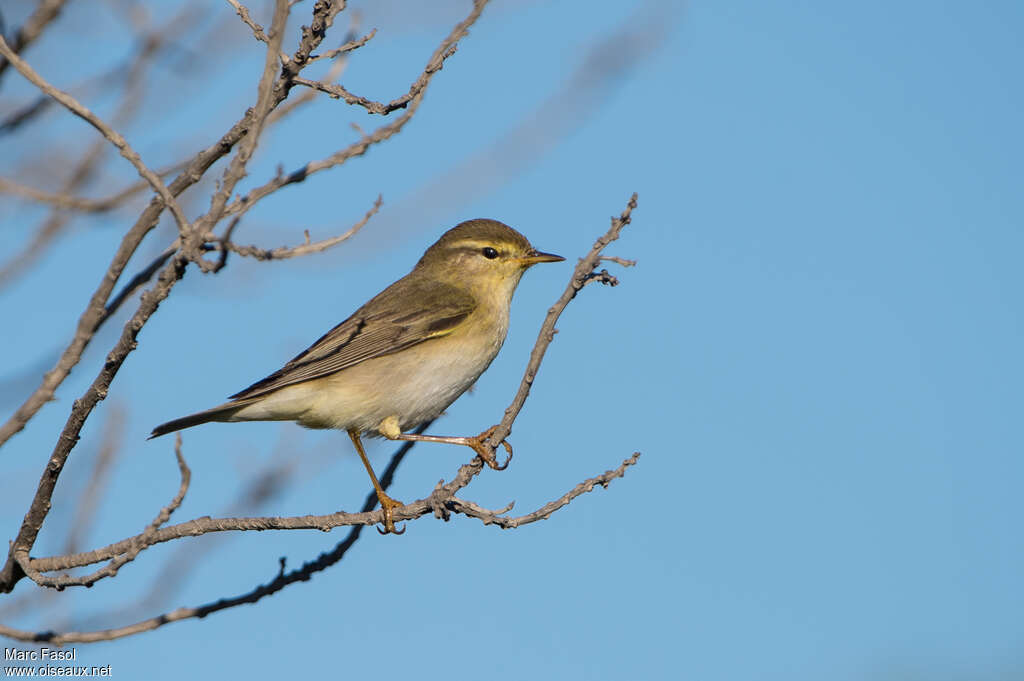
(397, 392)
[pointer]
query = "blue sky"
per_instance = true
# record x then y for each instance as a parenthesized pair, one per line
(818, 353)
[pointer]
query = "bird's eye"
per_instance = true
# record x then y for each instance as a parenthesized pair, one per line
(490, 253)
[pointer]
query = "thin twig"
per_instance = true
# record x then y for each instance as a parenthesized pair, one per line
(618, 261)
(112, 135)
(265, 102)
(312, 35)
(137, 544)
(347, 47)
(580, 276)
(95, 312)
(498, 518)
(379, 135)
(11, 573)
(137, 282)
(66, 201)
(243, 13)
(282, 580)
(93, 491)
(441, 502)
(46, 11)
(435, 64)
(84, 169)
(428, 505)
(285, 252)
(307, 95)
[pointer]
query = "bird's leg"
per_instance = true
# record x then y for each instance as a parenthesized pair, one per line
(387, 504)
(389, 429)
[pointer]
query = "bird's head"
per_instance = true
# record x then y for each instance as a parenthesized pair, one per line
(482, 256)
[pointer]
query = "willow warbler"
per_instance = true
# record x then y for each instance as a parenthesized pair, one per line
(405, 355)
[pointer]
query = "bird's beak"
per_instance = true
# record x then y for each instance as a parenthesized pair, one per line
(535, 256)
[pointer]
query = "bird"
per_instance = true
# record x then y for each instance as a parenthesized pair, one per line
(403, 357)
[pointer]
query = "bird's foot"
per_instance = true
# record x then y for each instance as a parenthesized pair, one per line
(388, 505)
(479, 445)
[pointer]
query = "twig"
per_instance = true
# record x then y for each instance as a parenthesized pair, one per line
(618, 261)
(243, 12)
(428, 505)
(112, 135)
(66, 201)
(312, 35)
(307, 248)
(441, 502)
(85, 167)
(94, 314)
(98, 478)
(282, 580)
(498, 518)
(95, 311)
(306, 96)
(11, 572)
(46, 11)
(444, 496)
(137, 282)
(580, 276)
(23, 115)
(435, 64)
(235, 171)
(347, 47)
(379, 135)
(136, 545)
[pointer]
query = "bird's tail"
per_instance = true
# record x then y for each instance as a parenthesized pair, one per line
(222, 412)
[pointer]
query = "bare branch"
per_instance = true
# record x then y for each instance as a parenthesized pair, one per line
(429, 505)
(323, 16)
(57, 221)
(382, 133)
(243, 13)
(99, 476)
(443, 497)
(618, 261)
(435, 64)
(46, 11)
(279, 75)
(66, 201)
(544, 512)
(136, 544)
(82, 408)
(307, 248)
(25, 114)
(441, 502)
(95, 312)
(112, 135)
(583, 272)
(347, 47)
(235, 171)
(282, 580)
(333, 73)
(206, 525)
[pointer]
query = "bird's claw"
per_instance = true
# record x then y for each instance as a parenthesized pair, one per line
(388, 505)
(479, 445)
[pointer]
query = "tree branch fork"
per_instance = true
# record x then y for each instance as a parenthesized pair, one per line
(193, 237)
(196, 238)
(442, 502)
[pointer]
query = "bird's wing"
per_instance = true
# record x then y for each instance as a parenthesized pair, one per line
(383, 326)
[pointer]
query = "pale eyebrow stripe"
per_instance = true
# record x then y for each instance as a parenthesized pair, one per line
(476, 243)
